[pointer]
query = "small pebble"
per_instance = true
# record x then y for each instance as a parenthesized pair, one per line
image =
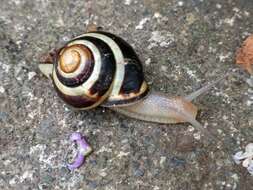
(250, 81)
(157, 15)
(246, 13)
(128, 2)
(65, 38)
(164, 68)
(103, 174)
(2, 90)
(180, 3)
(218, 6)
(197, 135)
(92, 184)
(148, 61)
(177, 162)
(138, 172)
(141, 23)
(162, 161)
(31, 75)
(249, 103)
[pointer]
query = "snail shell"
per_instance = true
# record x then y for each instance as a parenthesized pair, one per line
(98, 68)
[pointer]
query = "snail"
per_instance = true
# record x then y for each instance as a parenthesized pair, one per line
(99, 68)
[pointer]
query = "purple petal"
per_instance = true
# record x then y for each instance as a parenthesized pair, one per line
(83, 150)
(79, 160)
(76, 136)
(84, 147)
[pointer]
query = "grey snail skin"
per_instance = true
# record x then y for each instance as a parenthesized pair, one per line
(101, 69)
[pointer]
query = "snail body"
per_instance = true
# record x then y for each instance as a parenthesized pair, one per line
(101, 69)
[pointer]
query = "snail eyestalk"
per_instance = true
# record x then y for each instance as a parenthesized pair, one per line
(204, 89)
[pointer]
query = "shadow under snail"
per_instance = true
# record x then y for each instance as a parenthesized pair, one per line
(101, 69)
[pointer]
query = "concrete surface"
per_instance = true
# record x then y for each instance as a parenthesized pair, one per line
(183, 44)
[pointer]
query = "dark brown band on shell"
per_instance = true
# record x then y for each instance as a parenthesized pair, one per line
(134, 77)
(126, 100)
(108, 67)
(127, 50)
(78, 102)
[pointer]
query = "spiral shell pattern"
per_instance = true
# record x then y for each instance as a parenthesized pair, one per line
(98, 68)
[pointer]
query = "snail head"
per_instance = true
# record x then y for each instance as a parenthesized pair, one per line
(46, 62)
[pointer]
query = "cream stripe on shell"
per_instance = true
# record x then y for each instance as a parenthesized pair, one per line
(120, 67)
(83, 88)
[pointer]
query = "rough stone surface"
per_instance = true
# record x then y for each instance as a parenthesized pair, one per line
(183, 44)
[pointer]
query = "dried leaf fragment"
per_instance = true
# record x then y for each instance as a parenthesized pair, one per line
(244, 55)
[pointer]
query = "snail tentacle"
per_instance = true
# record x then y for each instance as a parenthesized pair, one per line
(204, 89)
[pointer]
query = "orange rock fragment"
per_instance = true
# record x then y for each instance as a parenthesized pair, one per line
(244, 55)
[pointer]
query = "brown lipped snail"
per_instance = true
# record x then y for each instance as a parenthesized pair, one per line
(101, 69)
